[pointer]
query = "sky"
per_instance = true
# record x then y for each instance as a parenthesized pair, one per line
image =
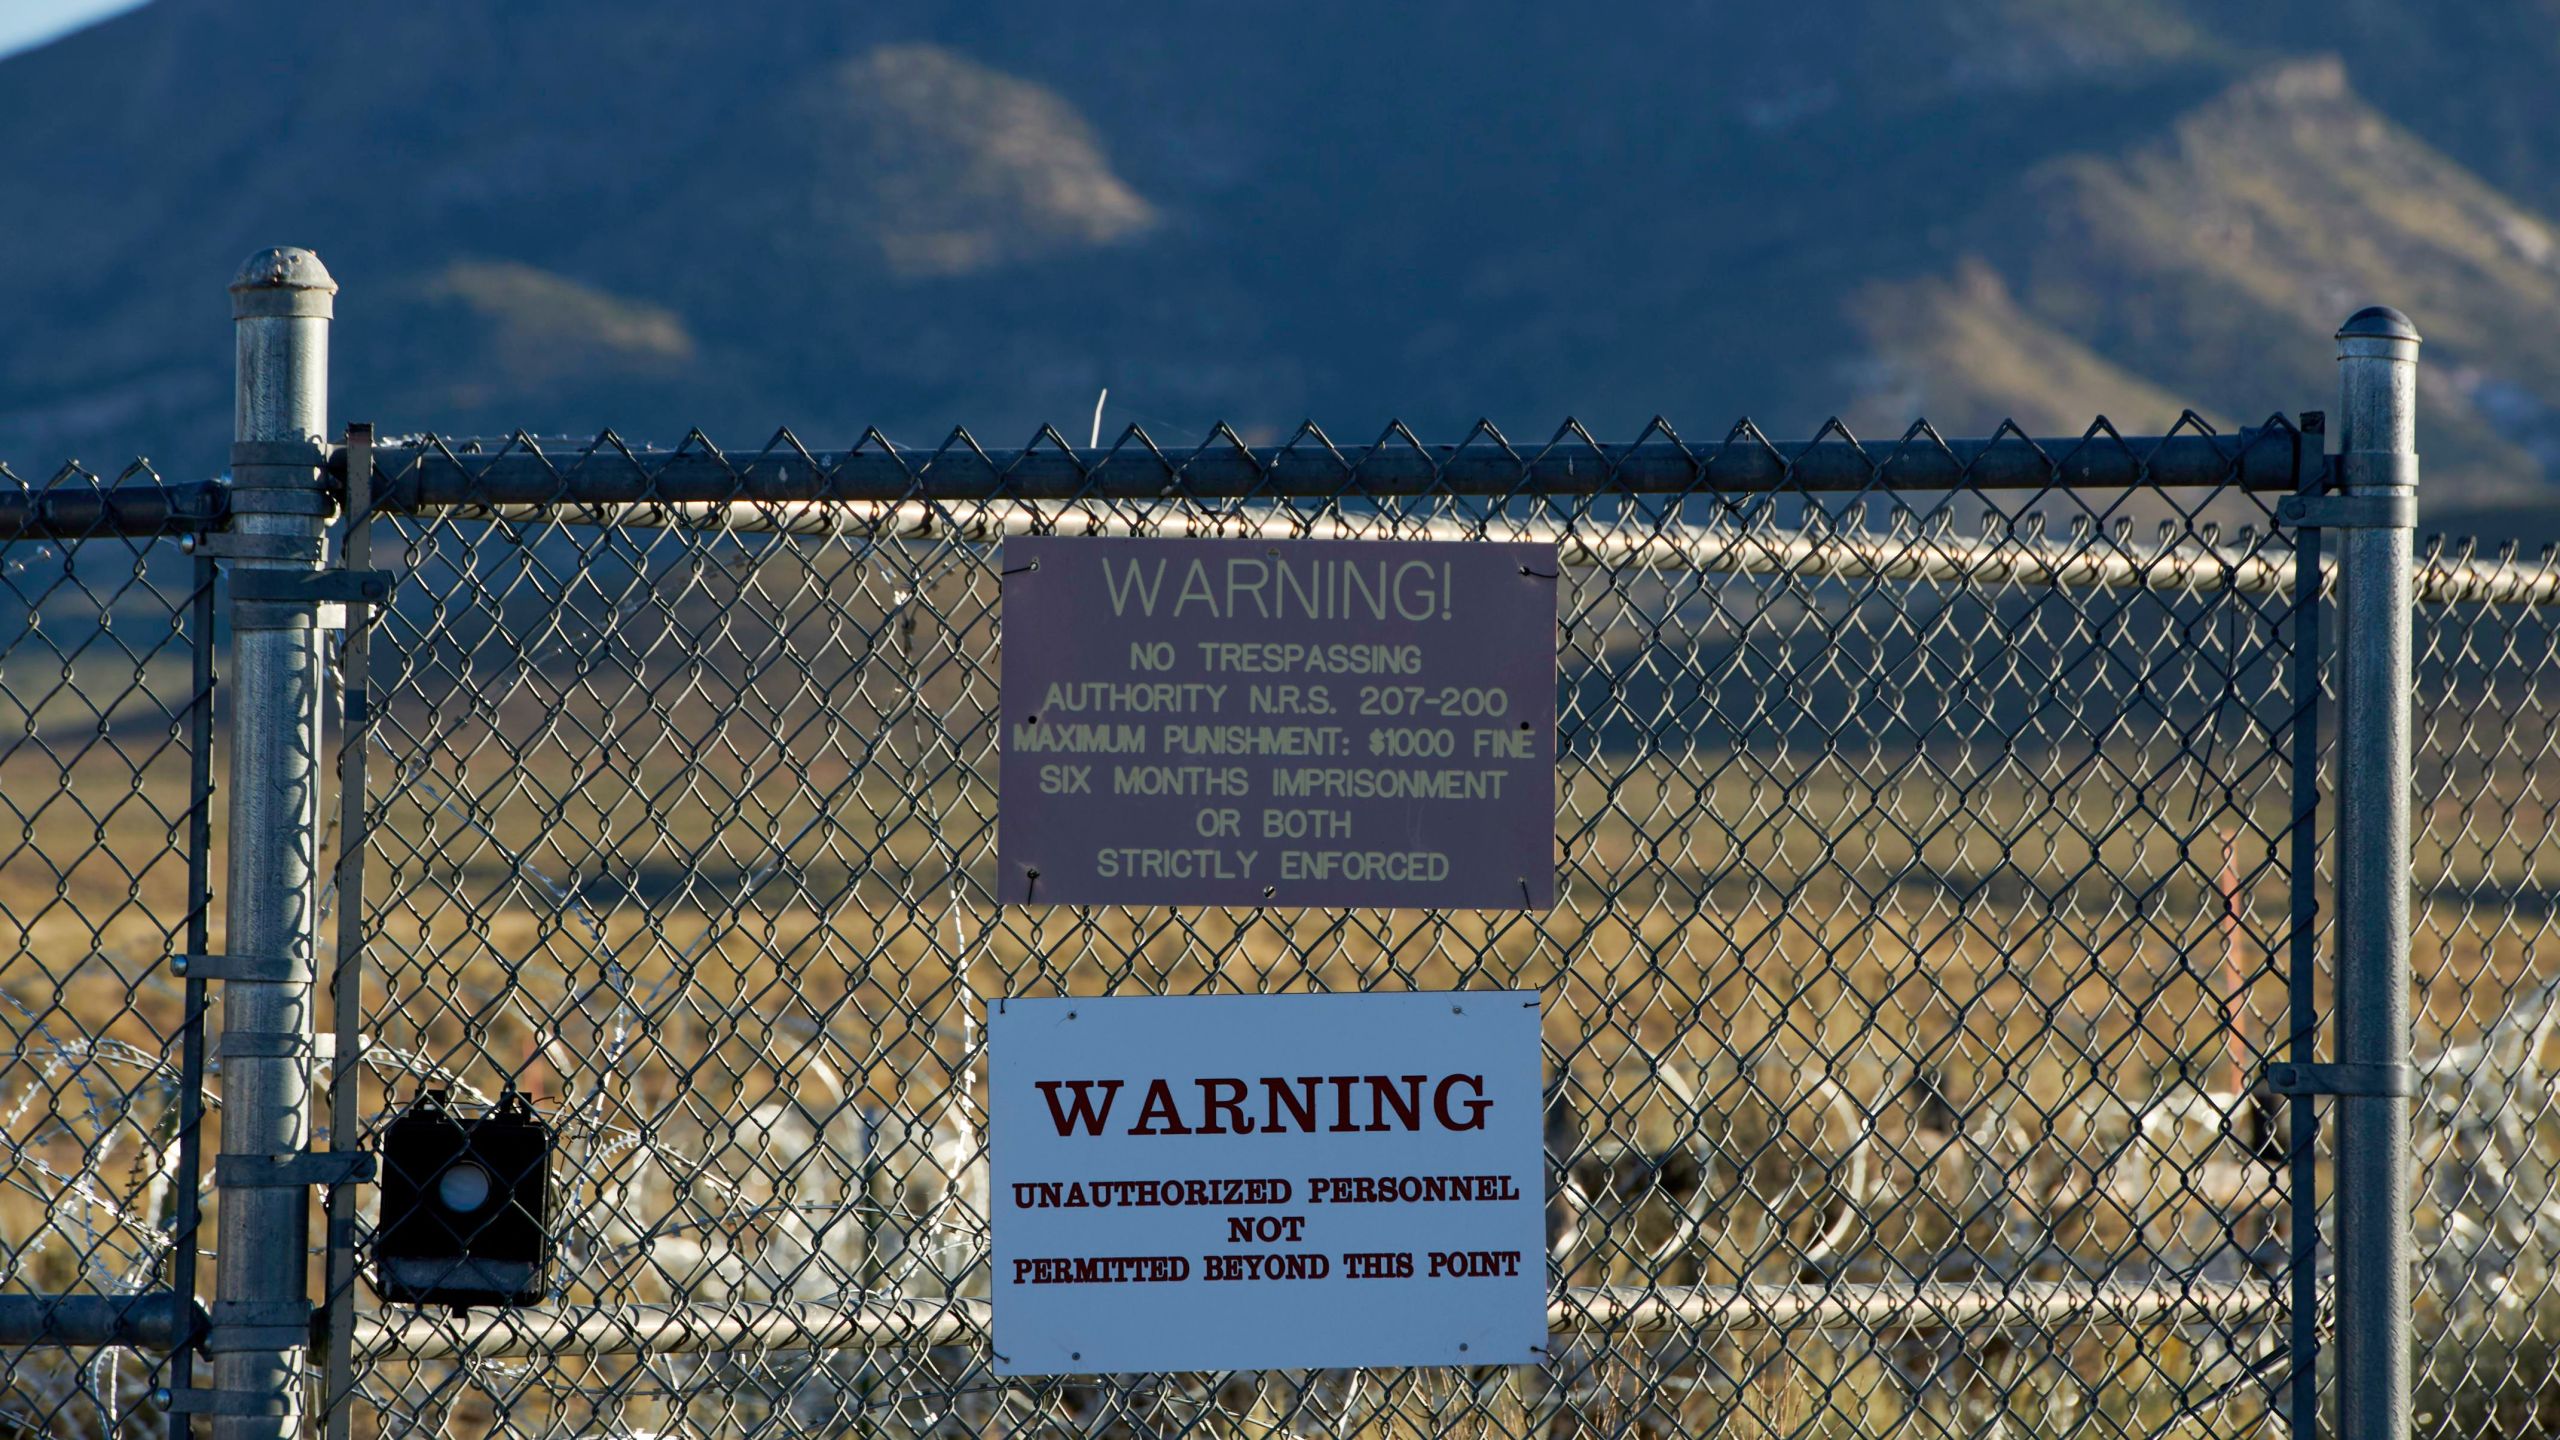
(25, 24)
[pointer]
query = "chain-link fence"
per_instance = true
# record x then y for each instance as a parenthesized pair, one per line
(1923, 930)
(1946, 843)
(106, 666)
(2487, 1199)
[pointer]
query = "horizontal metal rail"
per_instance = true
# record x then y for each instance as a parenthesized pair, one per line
(2025, 559)
(85, 512)
(429, 476)
(1808, 554)
(899, 1323)
(143, 1322)
(2461, 580)
(1904, 1307)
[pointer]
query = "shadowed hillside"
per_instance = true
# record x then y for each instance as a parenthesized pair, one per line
(652, 216)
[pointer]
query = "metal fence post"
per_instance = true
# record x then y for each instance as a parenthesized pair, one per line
(281, 305)
(2378, 466)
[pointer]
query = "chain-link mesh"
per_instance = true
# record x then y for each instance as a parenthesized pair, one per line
(1924, 925)
(104, 708)
(2486, 1212)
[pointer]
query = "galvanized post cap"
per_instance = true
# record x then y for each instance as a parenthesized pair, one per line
(286, 280)
(2378, 322)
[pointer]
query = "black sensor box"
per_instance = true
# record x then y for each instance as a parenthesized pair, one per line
(466, 1205)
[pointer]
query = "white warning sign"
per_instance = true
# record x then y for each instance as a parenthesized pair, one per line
(1271, 1181)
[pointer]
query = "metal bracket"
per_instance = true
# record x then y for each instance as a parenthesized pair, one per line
(262, 1312)
(2310, 458)
(310, 454)
(255, 969)
(275, 1045)
(2348, 512)
(219, 1402)
(303, 599)
(2396, 1081)
(246, 1325)
(292, 1172)
(225, 545)
(259, 615)
(311, 587)
(252, 500)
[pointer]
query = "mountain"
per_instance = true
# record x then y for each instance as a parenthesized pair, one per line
(563, 215)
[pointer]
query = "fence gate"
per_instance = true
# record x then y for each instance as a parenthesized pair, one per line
(1938, 998)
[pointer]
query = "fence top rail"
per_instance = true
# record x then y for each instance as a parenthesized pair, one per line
(78, 506)
(2449, 571)
(427, 473)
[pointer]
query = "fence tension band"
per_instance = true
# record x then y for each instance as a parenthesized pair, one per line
(311, 587)
(280, 502)
(225, 545)
(293, 1172)
(299, 454)
(275, 1045)
(303, 599)
(2348, 512)
(219, 1402)
(246, 1325)
(2396, 1081)
(2310, 460)
(255, 969)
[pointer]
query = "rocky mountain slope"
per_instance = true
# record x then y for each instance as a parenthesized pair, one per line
(562, 215)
